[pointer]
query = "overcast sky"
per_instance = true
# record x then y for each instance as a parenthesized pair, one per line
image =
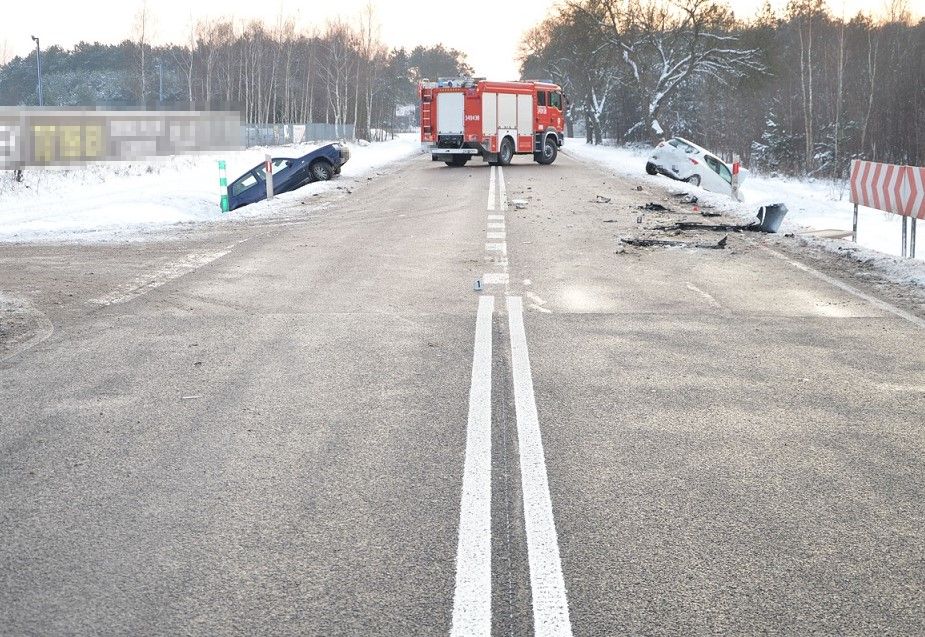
(488, 31)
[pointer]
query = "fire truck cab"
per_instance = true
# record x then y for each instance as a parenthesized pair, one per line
(465, 117)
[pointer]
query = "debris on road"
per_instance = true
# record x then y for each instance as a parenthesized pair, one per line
(655, 206)
(601, 199)
(519, 204)
(647, 243)
(684, 197)
(716, 227)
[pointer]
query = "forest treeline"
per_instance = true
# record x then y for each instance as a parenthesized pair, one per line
(801, 93)
(341, 74)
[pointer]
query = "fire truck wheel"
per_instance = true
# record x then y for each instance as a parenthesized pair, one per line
(506, 152)
(550, 152)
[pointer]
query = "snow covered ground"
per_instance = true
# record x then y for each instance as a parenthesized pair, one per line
(128, 201)
(813, 205)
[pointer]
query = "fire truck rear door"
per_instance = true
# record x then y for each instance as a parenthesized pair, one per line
(450, 113)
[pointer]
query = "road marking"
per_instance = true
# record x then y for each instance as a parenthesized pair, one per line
(174, 270)
(883, 305)
(472, 597)
(547, 585)
(491, 188)
(496, 217)
(495, 278)
(497, 247)
(709, 297)
(495, 226)
(502, 192)
(496, 235)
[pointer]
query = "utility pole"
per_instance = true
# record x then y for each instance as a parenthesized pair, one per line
(38, 66)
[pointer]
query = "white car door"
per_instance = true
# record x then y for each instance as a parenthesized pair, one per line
(711, 177)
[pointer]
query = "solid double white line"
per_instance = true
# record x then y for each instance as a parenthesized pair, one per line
(547, 585)
(491, 187)
(472, 598)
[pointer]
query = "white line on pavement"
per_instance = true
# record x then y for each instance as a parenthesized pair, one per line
(502, 192)
(472, 598)
(496, 247)
(495, 225)
(709, 297)
(496, 217)
(495, 235)
(495, 278)
(547, 585)
(883, 305)
(491, 188)
(174, 270)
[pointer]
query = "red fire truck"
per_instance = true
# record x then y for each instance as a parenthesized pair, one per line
(465, 117)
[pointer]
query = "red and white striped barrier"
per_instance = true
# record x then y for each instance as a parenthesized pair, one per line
(888, 187)
(891, 188)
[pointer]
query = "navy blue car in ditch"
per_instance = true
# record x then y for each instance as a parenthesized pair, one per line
(289, 173)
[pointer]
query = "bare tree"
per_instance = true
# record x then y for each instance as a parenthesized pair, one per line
(664, 46)
(143, 31)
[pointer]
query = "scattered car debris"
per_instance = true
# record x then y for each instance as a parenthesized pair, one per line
(519, 204)
(611, 220)
(655, 206)
(601, 199)
(684, 197)
(647, 243)
(710, 213)
(716, 227)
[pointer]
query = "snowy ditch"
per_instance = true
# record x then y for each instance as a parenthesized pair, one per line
(131, 201)
(817, 210)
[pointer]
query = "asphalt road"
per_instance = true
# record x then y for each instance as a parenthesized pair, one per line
(319, 427)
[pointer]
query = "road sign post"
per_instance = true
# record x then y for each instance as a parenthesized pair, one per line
(268, 169)
(912, 239)
(854, 225)
(223, 185)
(735, 181)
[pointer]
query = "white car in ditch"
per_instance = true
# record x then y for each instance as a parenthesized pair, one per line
(684, 160)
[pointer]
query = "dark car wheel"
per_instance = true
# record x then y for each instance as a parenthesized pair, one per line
(694, 180)
(506, 152)
(650, 168)
(550, 152)
(322, 170)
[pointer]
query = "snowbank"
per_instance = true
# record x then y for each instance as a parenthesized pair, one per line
(814, 204)
(126, 201)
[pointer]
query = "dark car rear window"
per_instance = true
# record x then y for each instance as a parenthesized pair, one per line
(243, 184)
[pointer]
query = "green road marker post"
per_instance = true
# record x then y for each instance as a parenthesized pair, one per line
(223, 185)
